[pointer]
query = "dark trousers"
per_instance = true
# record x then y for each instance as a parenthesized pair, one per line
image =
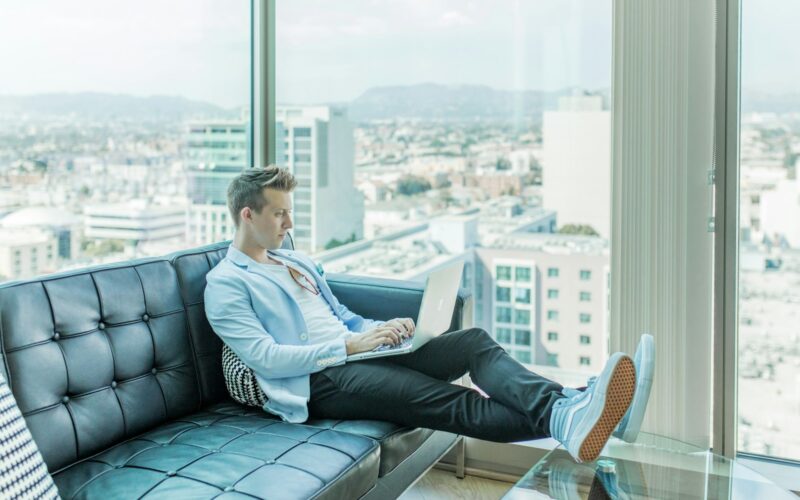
(414, 390)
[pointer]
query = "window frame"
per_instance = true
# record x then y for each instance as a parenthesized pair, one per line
(726, 231)
(726, 182)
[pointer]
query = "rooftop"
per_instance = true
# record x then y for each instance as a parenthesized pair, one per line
(39, 217)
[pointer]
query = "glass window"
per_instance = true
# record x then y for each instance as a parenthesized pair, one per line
(503, 272)
(585, 361)
(414, 152)
(523, 356)
(503, 335)
(552, 315)
(503, 294)
(522, 295)
(98, 115)
(585, 274)
(503, 314)
(585, 318)
(768, 380)
(522, 273)
(552, 293)
(302, 132)
(586, 340)
(585, 296)
(552, 336)
(552, 359)
(522, 337)
(522, 316)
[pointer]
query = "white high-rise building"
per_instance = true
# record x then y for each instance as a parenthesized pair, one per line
(316, 144)
(576, 169)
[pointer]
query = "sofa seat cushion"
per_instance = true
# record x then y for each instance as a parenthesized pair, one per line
(397, 442)
(227, 449)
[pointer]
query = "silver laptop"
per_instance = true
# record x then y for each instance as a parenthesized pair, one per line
(435, 313)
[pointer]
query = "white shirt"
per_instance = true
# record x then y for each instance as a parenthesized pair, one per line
(323, 325)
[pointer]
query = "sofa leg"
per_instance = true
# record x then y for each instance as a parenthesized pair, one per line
(461, 451)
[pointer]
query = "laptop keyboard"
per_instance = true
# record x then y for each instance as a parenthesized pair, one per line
(388, 347)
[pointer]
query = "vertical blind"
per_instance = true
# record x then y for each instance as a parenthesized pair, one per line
(662, 250)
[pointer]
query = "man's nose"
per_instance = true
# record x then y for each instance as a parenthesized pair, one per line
(288, 223)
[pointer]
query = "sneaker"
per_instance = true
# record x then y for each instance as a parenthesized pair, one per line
(645, 362)
(584, 421)
(605, 483)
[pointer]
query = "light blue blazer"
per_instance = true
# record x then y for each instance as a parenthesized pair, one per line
(260, 321)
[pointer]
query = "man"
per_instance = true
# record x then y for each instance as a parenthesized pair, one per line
(276, 312)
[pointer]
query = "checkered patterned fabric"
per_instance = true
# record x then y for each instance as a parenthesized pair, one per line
(23, 473)
(240, 380)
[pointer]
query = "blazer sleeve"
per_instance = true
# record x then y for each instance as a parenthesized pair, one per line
(227, 304)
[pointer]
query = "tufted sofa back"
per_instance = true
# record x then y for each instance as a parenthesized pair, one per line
(99, 355)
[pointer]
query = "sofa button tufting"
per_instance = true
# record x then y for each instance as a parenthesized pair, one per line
(56, 336)
(101, 326)
(113, 384)
(153, 371)
(229, 488)
(171, 473)
(65, 399)
(146, 317)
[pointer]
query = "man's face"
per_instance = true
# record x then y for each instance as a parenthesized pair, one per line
(269, 227)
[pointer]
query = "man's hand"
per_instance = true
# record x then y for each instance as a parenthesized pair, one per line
(384, 334)
(406, 326)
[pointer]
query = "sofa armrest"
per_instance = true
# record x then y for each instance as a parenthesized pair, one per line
(384, 299)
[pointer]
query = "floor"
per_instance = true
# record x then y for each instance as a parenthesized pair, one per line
(444, 485)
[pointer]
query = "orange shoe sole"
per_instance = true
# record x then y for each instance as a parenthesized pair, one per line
(619, 395)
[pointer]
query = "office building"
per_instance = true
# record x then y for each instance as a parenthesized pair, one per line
(135, 222)
(25, 253)
(216, 151)
(317, 146)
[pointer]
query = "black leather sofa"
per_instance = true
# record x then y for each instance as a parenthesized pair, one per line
(117, 373)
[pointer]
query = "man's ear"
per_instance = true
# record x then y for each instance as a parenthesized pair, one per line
(246, 214)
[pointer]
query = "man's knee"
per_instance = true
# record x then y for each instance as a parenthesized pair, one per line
(478, 335)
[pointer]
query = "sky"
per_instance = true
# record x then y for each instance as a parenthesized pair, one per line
(333, 51)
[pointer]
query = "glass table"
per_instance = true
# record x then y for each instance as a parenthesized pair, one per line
(652, 467)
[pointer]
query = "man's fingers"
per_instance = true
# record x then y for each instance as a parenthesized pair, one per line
(388, 334)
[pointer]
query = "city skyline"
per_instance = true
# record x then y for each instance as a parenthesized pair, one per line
(204, 53)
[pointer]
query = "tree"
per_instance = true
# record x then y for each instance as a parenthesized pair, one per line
(582, 229)
(333, 243)
(503, 164)
(101, 248)
(410, 185)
